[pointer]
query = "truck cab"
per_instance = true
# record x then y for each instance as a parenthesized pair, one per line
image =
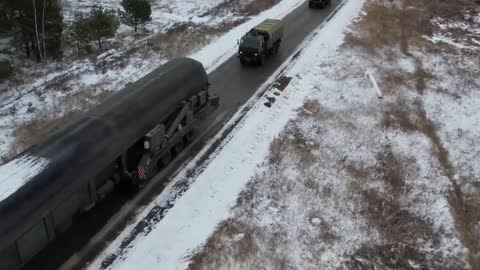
(261, 41)
(251, 47)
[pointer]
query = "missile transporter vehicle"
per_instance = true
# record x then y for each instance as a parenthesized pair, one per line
(261, 41)
(125, 139)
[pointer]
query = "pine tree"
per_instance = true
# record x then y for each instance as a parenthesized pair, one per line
(103, 24)
(38, 25)
(81, 31)
(137, 12)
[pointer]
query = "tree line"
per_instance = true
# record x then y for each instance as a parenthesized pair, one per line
(38, 25)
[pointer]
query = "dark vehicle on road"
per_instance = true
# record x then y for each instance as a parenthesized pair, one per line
(318, 3)
(261, 41)
(126, 139)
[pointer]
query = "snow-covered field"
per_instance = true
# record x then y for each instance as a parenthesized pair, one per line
(333, 177)
(188, 224)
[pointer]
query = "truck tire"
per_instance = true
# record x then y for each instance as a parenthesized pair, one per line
(164, 160)
(310, 5)
(261, 61)
(242, 61)
(276, 48)
(189, 137)
(178, 147)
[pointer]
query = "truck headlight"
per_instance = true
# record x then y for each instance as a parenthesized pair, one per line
(256, 54)
(241, 52)
(146, 145)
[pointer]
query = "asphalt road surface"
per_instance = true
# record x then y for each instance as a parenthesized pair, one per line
(234, 84)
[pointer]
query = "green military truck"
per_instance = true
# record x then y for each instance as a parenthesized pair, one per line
(261, 41)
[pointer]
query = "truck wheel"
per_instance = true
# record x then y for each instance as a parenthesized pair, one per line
(164, 160)
(178, 147)
(277, 48)
(188, 137)
(242, 61)
(310, 5)
(261, 61)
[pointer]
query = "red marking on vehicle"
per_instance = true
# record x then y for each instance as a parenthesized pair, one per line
(141, 172)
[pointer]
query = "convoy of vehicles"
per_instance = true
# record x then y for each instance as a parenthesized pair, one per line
(127, 138)
(261, 41)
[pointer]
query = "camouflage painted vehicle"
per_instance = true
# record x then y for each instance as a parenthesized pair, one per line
(261, 41)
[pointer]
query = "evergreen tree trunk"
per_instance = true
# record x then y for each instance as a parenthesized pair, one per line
(39, 56)
(135, 23)
(27, 47)
(43, 33)
(99, 43)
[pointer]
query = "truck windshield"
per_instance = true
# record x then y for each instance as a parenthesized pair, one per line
(250, 43)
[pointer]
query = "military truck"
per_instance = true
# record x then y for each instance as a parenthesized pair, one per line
(125, 140)
(318, 3)
(261, 41)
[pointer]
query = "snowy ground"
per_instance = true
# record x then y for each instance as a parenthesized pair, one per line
(35, 98)
(331, 176)
(188, 224)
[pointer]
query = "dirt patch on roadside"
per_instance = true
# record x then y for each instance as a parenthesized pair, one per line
(233, 237)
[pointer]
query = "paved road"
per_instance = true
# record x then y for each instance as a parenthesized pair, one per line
(234, 84)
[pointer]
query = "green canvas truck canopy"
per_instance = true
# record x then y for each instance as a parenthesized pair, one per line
(274, 28)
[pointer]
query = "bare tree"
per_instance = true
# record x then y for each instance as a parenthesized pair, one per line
(36, 30)
(43, 32)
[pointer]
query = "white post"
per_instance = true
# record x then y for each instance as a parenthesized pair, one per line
(374, 83)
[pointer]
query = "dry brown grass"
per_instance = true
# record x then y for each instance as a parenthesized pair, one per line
(400, 231)
(188, 37)
(465, 208)
(413, 118)
(231, 237)
(421, 77)
(466, 211)
(401, 24)
(43, 125)
(37, 130)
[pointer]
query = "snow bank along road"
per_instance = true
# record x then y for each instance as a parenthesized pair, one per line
(234, 84)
